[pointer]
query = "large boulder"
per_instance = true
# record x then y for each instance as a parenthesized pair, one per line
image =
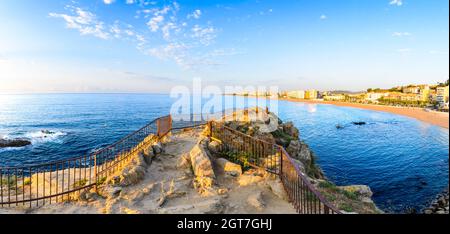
(202, 168)
(265, 136)
(201, 163)
(291, 130)
(228, 167)
(134, 172)
(215, 147)
(304, 154)
(294, 148)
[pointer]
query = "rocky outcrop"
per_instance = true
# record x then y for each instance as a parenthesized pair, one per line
(229, 168)
(284, 134)
(439, 205)
(362, 191)
(201, 166)
(15, 143)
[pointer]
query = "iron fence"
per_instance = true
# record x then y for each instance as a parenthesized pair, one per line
(250, 151)
(62, 180)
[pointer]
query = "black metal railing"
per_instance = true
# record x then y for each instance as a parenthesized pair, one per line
(253, 152)
(61, 180)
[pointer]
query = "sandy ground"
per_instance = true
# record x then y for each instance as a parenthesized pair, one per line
(163, 176)
(436, 118)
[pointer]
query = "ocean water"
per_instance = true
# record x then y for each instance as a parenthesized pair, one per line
(404, 161)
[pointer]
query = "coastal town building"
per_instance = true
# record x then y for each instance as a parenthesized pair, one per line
(299, 94)
(411, 89)
(375, 97)
(442, 96)
(311, 94)
(334, 97)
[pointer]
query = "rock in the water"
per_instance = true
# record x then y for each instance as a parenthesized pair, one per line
(16, 143)
(228, 167)
(359, 123)
(256, 200)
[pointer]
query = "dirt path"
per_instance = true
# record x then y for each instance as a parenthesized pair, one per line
(168, 190)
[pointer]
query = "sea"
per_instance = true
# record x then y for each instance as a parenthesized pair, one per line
(403, 160)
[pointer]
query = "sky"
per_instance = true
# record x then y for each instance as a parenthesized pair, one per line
(139, 46)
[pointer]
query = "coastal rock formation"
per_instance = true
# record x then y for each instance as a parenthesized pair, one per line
(229, 168)
(439, 205)
(283, 134)
(201, 165)
(15, 143)
(189, 173)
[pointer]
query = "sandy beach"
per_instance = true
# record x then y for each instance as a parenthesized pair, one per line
(436, 118)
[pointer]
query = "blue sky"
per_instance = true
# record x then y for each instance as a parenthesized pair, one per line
(151, 45)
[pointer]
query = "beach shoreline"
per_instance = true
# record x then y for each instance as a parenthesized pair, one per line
(440, 119)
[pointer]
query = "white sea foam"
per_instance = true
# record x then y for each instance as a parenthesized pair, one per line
(45, 136)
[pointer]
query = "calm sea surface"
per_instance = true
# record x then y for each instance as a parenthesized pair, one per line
(403, 160)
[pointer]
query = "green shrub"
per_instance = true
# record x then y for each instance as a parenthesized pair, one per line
(350, 195)
(80, 183)
(346, 207)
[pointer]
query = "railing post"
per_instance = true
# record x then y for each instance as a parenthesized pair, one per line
(95, 173)
(281, 163)
(210, 126)
(158, 126)
(170, 123)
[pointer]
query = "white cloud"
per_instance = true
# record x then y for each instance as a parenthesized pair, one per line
(84, 21)
(401, 34)
(396, 2)
(155, 22)
(172, 38)
(196, 14)
(205, 35)
(323, 17)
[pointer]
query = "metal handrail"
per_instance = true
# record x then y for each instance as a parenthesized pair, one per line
(86, 171)
(303, 178)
